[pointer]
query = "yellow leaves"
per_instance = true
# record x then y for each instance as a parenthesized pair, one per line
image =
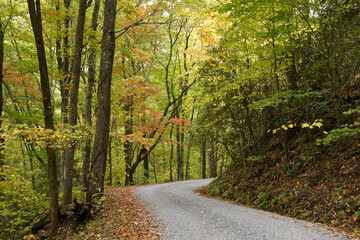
(19, 202)
(316, 123)
(305, 125)
(284, 127)
(205, 34)
(42, 137)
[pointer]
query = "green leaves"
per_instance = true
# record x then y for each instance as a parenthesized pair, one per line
(19, 204)
(346, 130)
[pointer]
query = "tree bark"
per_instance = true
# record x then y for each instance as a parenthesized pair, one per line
(74, 93)
(153, 163)
(180, 154)
(89, 92)
(182, 140)
(171, 154)
(2, 41)
(65, 63)
(64, 81)
(36, 22)
(146, 169)
(98, 160)
(110, 162)
(128, 146)
(203, 153)
(212, 159)
(187, 173)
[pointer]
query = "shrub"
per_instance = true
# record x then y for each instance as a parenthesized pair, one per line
(19, 204)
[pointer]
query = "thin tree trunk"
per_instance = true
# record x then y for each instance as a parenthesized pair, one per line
(154, 167)
(98, 160)
(30, 156)
(33, 187)
(222, 164)
(58, 39)
(203, 153)
(178, 153)
(89, 92)
(64, 81)
(146, 169)
(171, 154)
(182, 141)
(36, 22)
(211, 159)
(110, 162)
(187, 175)
(2, 40)
(128, 146)
(74, 93)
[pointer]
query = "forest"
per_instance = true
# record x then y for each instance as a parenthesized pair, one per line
(100, 93)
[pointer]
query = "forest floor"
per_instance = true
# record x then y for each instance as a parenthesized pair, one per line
(123, 217)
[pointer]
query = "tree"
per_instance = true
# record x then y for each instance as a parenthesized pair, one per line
(74, 93)
(89, 92)
(36, 22)
(2, 40)
(99, 156)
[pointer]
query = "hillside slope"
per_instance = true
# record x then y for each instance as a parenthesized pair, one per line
(324, 189)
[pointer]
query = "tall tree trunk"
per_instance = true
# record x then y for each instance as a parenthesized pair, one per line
(74, 93)
(98, 160)
(178, 152)
(89, 92)
(64, 81)
(171, 154)
(187, 174)
(128, 146)
(2, 40)
(203, 153)
(36, 22)
(58, 39)
(182, 142)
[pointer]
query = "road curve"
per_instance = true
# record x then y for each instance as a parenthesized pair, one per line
(184, 215)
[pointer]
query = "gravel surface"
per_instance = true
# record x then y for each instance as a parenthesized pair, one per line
(185, 215)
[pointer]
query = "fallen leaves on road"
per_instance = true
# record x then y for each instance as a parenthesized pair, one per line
(123, 217)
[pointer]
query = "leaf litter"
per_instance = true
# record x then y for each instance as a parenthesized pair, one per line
(123, 217)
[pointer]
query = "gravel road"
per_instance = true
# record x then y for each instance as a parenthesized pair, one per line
(184, 215)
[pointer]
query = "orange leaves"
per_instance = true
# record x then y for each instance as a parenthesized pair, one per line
(205, 34)
(122, 218)
(140, 55)
(22, 82)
